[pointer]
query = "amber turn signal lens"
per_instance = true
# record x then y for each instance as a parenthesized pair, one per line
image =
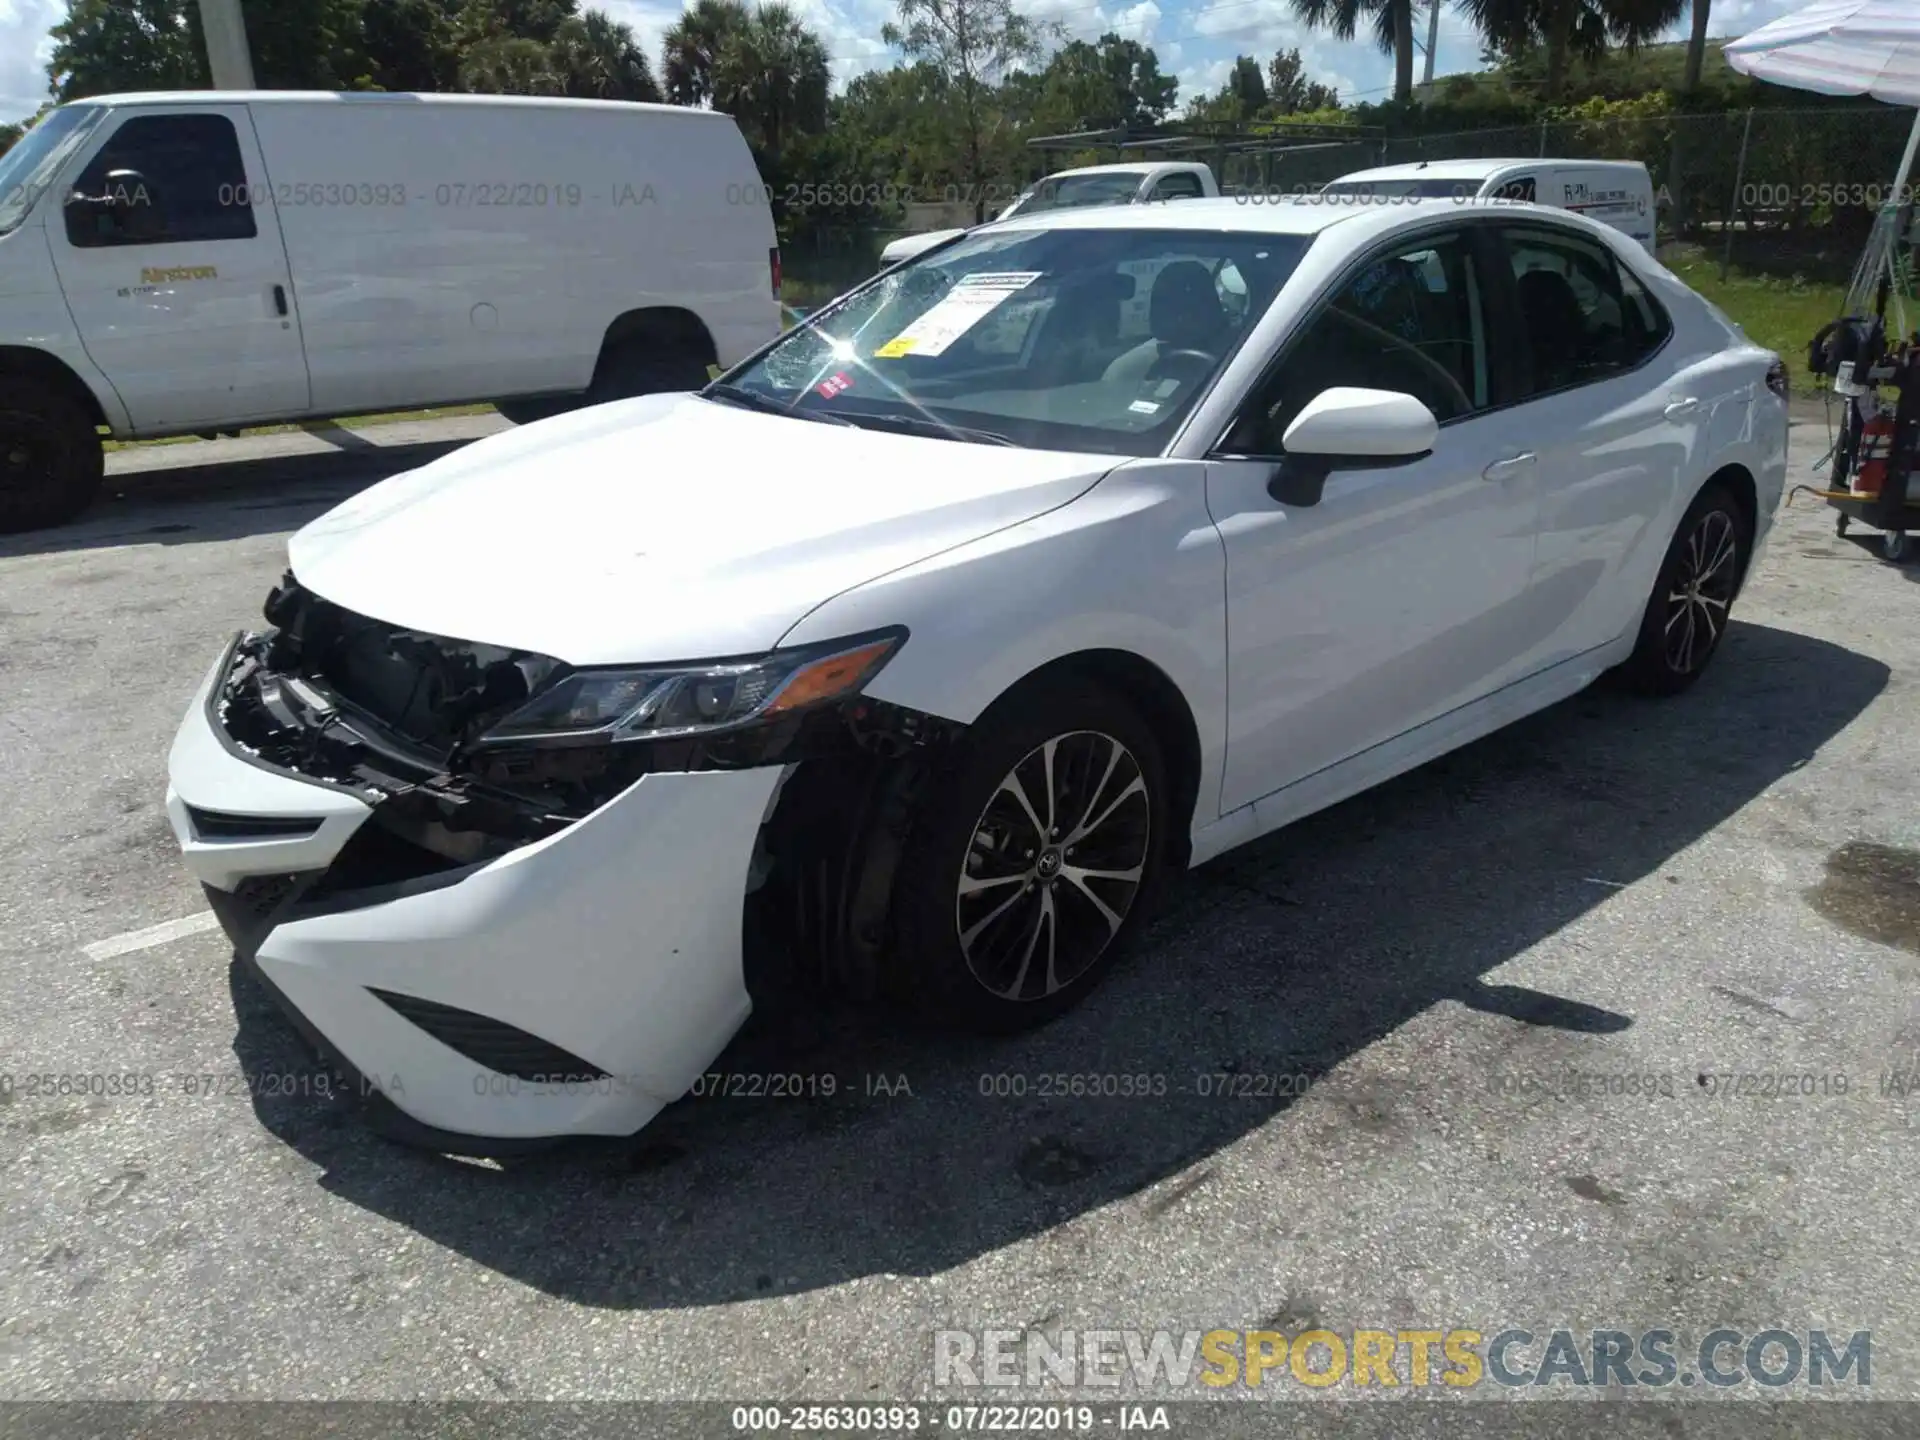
(830, 676)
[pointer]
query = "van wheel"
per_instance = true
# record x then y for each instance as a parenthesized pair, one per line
(641, 368)
(1036, 854)
(525, 412)
(50, 456)
(1692, 600)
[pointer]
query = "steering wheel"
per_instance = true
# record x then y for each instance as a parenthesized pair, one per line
(1200, 360)
(1429, 367)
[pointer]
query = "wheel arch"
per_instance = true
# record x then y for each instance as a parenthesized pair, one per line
(669, 326)
(51, 369)
(1161, 704)
(1738, 482)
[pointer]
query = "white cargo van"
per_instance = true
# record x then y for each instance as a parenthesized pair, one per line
(1614, 192)
(197, 262)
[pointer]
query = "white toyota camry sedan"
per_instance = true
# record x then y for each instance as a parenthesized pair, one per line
(911, 654)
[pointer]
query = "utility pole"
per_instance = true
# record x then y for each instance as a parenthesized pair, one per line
(228, 59)
(1433, 38)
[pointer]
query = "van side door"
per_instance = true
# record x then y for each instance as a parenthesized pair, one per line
(168, 249)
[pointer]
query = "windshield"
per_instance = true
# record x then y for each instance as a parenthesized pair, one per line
(1066, 339)
(1427, 189)
(1077, 192)
(36, 157)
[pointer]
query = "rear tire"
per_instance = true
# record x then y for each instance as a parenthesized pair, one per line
(1692, 600)
(51, 459)
(1037, 853)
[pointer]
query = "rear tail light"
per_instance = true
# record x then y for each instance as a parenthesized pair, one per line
(773, 265)
(1777, 378)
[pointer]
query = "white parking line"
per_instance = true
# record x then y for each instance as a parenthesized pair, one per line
(153, 935)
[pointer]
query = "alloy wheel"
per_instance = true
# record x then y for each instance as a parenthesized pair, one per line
(1054, 865)
(1701, 592)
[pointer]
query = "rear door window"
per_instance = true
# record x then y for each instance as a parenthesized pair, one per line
(1586, 316)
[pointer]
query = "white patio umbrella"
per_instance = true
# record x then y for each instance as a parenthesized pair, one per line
(1843, 47)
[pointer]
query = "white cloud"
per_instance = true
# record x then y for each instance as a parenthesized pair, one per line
(1138, 22)
(25, 48)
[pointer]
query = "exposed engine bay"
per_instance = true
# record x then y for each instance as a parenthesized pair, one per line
(394, 714)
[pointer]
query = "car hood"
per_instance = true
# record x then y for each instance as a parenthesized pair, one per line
(663, 528)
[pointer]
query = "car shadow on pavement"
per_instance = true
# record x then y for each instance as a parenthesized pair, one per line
(1282, 959)
(225, 500)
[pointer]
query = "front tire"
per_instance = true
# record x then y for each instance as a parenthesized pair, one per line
(51, 460)
(1692, 600)
(1039, 852)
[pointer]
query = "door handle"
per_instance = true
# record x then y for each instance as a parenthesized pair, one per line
(1512, 465)
(1682, 408)
(280, 299)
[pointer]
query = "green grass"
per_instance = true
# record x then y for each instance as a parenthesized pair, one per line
(352, 422)
(1778, 312)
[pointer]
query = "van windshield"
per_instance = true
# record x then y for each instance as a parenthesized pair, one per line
(1071, 339)
(36, 157)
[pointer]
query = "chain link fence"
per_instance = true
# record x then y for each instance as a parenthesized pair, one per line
(1777, 191)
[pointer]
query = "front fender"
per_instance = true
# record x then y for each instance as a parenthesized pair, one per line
(1134, 565)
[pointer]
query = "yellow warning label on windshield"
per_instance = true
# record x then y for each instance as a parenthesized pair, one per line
(895, 348)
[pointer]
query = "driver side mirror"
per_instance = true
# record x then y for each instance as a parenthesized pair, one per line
(1349, 428)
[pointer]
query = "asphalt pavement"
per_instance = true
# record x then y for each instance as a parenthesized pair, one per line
(1723, 886)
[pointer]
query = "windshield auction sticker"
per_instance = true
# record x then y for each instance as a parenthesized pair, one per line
(970, 301)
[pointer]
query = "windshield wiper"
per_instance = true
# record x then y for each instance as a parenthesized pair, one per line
(754, 400)
(921, 425)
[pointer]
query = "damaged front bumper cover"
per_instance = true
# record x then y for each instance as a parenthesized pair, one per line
(494, 971)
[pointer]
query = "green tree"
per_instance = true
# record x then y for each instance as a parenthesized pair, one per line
(511, 65)
(771, 75)
(1290, 92)
(537, 20)
(1391, 22)
(1248, 85)
(410, 44)
(974, 43)
(1109, 82)
(597, 58)
(105, 46)
(693, 46)
(307, 44)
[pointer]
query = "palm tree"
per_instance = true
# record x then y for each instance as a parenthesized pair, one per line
(597, 58)
(1569, 27)
(771, 76)
(1696, 47)
(1390, 20)
(693, 48)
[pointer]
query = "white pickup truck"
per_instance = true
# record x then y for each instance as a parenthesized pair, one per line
(1077, 189)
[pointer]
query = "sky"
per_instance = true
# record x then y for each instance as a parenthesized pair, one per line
(1196, 39)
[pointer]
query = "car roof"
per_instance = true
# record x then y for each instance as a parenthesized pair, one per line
(1284, 215)
(1478, 169)
(138, 98)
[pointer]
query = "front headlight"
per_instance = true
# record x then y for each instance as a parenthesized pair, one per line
(597, 706)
